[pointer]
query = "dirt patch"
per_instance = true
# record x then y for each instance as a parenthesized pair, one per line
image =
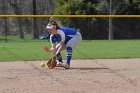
(85, 76)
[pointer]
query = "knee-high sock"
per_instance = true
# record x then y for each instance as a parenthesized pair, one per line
(59, 58)
(69, 55)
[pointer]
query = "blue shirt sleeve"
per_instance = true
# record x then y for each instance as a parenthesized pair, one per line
(55, 38)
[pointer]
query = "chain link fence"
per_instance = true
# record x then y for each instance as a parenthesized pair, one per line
(20, 29)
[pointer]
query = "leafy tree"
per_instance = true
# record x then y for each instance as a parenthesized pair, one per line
(77, 7)
(92, 27)
(93, 7)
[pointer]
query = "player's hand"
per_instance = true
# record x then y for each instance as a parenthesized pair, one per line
(53, 49)
(62, 43)
(46, 49)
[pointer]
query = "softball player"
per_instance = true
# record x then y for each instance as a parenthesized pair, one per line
(67, 38)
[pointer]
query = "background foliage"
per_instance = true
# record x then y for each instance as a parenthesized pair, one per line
(94, 28)
(97, 28)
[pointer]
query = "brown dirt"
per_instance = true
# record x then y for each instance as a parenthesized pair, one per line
(85, 76)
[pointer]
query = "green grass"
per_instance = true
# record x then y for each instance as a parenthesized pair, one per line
(109, 49)
(96, 49)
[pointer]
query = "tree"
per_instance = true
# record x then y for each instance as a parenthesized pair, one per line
(97, 27)
(77, 7)
(16, 5)
(4, 10)
(110, 35)
(41, 7)
(44, 7)
(117, 7)
(111, 7)
(133, 7)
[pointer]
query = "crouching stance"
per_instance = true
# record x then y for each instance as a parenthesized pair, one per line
(67, 38)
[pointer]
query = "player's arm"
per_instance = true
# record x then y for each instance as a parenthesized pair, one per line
(53, 48)
(62, 45)
(62, 35)
(53, 45)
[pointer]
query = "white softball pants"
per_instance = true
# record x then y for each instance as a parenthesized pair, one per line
(74, 40)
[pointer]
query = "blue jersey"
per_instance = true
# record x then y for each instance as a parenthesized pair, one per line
(64, 34)
(68, 31)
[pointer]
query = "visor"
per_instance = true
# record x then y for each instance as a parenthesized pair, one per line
(49, 26)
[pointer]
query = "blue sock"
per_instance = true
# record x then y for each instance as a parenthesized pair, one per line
(69, 55)
(59, 58)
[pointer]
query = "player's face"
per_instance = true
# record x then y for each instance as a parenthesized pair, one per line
(52, 31)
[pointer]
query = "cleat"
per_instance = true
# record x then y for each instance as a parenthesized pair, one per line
(60, 64)
(66, 66)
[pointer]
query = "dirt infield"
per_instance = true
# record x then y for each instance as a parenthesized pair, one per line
(85, 76)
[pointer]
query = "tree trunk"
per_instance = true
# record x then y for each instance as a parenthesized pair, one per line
(6, 28)
(110, 35)
(35, 28)
(21, 33)
(4, 10)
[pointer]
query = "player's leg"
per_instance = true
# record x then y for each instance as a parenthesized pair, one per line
(59, 57)
(69, 47)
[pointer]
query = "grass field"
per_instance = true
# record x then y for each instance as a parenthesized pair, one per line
(96, 49)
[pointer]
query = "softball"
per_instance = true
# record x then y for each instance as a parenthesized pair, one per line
(42, 65)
